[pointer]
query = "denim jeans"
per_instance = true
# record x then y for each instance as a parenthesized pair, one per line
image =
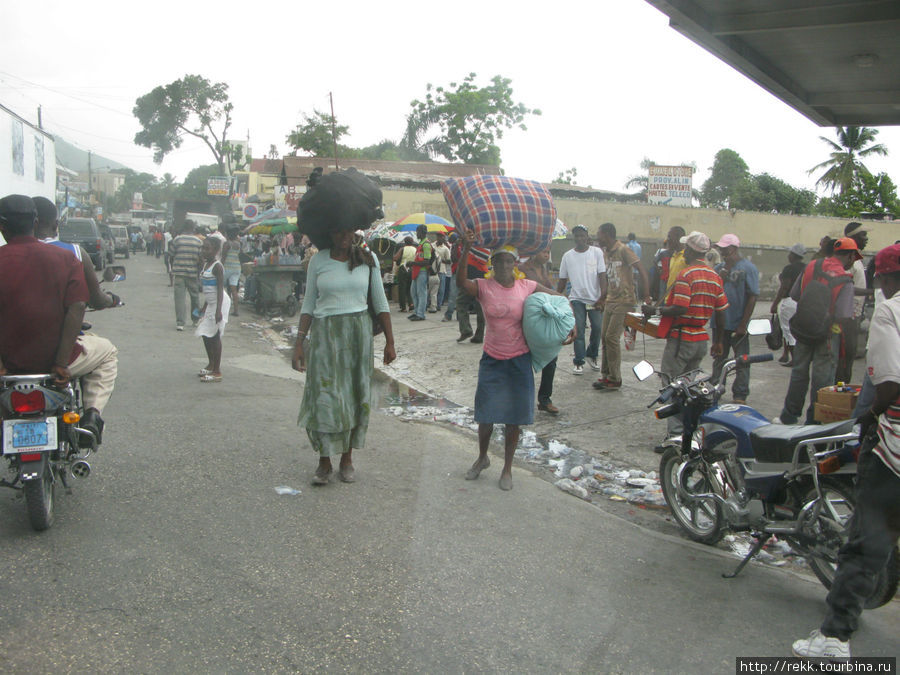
(740, 385)
(821, 359)
(866, 397)
(451, 299)
(443, 288)
(420, 293)
(873, 535)
(582, 316)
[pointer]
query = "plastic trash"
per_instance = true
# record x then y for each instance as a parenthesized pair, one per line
(576, 472)
(568, 485)
(287, 490)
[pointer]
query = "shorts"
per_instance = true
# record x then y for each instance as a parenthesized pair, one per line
(232, 278)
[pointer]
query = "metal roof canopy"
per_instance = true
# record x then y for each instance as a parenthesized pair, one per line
(836, 62)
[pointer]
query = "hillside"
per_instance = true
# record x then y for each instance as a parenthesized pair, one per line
(76, 159)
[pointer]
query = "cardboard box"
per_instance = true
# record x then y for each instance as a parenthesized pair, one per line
(845, 400)
(827, 414)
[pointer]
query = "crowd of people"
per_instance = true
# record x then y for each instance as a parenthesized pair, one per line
(704, 293)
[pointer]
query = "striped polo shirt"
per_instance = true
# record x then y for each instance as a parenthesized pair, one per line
(698, 288)
(186, 252)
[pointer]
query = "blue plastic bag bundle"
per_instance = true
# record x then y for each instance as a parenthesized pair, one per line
(546, 321)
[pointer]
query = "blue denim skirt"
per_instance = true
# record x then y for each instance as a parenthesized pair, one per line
(505, 393)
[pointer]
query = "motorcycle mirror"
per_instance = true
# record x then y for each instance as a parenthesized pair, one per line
(643, 370)
(759, 327)
(114, 273)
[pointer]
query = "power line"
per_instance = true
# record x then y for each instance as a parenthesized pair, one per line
(62, 93)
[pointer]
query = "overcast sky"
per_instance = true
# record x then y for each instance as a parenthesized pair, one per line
(614, 82)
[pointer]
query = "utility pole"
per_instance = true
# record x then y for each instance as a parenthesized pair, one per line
(40, 124)
(333, 133)
(90, 186)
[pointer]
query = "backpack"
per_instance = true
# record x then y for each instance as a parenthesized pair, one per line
(815, 309)
(435, 261)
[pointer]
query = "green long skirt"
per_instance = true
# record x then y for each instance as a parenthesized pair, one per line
(337, 396)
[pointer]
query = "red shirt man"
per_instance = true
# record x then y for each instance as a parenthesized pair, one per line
(42, 297)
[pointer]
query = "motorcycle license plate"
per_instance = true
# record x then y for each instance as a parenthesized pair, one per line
(29, 435)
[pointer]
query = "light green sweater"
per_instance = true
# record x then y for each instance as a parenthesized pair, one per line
(332, 289)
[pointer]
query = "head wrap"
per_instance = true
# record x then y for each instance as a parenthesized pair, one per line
(517, 274)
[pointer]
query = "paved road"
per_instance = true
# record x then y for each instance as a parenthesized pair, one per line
(177, 555)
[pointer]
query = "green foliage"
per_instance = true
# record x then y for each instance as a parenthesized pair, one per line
(843, 168)
(728, 171)
(195, 183)
(147, 184)
(468, 119)
(762, 192)
(314, 135)
(567, 177)
(193, 106)
(870, 195)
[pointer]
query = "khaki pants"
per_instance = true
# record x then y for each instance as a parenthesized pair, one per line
(611, 337)
(97, 365)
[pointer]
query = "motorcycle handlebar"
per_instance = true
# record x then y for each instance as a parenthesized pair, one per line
(747, 359)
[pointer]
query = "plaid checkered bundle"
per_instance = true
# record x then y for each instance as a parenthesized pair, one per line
(502, 210)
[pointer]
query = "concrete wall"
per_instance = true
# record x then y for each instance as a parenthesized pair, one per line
(27, 158)
(765, 237)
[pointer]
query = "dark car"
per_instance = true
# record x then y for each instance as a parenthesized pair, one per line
(86, 233)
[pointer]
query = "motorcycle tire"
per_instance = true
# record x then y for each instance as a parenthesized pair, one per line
(703, 521)
(40, 500)
(840, 494)
(291, 305)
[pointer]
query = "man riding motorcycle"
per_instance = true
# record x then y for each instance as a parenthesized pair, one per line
(43, 295)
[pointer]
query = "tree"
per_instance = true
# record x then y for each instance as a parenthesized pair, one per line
(314, 136)
(195, 183)
(190, 106)
(869, 196)
(762, 192)
(145, 183)
(468, 120)
(567, 177)
(641, 180)
(844, 167)
(727, 173)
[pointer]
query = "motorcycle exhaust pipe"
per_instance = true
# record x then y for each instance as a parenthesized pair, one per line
(81, 469)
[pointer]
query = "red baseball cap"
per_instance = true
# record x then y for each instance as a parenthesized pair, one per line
(847, 244)
(887, 260)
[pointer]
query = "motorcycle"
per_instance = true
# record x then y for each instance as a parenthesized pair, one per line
(41, 439)
(735, 470)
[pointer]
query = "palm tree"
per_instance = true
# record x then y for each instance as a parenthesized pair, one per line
(844, 168)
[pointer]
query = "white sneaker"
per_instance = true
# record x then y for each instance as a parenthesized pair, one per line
(777, 420)
(593, 363)
(179, 327)
(819, 646)
(578, 370)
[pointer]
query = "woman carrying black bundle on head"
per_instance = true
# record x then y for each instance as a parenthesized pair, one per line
(343, 279)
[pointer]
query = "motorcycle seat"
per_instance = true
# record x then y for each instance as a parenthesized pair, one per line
(775, 443)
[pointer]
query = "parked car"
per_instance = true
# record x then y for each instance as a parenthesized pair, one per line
(121, 239)
(86, 233)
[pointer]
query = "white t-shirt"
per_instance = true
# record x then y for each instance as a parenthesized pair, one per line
(583, 270)
(167, 239)
(883, 365)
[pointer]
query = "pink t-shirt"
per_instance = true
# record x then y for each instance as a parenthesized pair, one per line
(503, 307)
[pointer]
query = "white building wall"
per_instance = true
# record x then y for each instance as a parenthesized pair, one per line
(27, 158)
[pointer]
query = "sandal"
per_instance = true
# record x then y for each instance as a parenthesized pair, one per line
(211, 378)
(204, 371)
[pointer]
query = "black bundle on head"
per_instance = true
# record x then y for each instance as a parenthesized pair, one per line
(343, 200)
